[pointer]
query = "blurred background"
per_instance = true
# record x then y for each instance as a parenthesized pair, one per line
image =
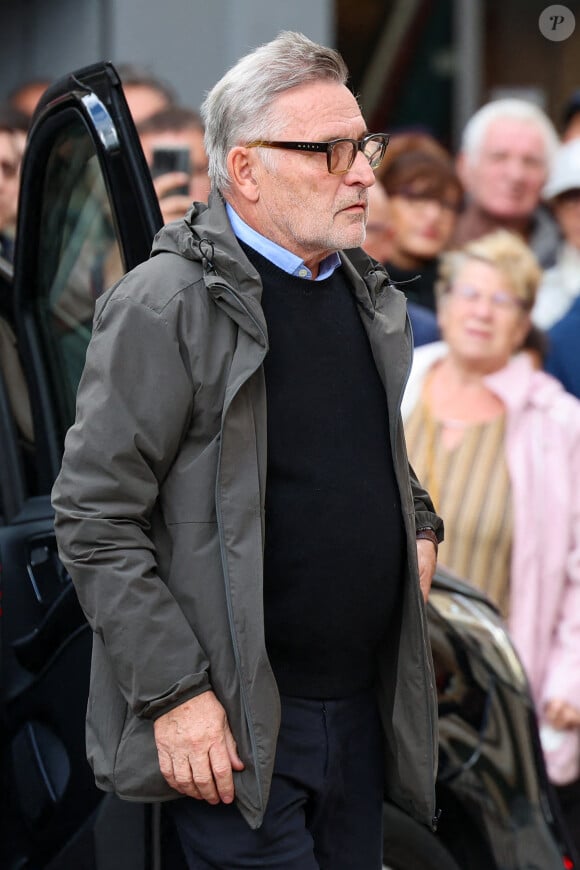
(414, 63)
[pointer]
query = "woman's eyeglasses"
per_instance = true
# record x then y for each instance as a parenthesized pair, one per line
(501, 299)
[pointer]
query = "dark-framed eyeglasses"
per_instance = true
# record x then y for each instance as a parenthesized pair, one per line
(340, 153)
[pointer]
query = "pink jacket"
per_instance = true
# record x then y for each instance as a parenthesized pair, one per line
(543, 457)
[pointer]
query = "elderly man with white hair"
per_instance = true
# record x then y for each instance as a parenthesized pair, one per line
(244, 530)
(504, 161)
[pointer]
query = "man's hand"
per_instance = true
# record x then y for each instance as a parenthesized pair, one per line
(173, 205)
(197, 751)
(427, 559)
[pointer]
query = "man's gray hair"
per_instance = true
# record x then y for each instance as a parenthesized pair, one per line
(239, 108)
(513, 109)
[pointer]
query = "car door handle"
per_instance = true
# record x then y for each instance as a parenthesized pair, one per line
(64, 617)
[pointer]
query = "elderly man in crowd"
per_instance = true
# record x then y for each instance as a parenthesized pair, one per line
(260, 651)
(506, 152)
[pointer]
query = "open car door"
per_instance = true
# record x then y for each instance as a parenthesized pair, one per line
(87, 214)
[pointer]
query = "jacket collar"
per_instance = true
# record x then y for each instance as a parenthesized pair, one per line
(205, 236)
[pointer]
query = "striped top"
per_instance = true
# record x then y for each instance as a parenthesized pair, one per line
(471, 490)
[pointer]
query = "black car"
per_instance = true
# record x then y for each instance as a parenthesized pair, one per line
(88, 213)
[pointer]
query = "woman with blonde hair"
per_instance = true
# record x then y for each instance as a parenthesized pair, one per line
(497, 442)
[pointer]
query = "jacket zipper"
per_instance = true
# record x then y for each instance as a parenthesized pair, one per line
(223, 554)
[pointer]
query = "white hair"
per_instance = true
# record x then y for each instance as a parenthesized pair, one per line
(514, 109)
(239, 108)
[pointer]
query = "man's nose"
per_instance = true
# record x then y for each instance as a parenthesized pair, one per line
(361, 172)
(516, 168)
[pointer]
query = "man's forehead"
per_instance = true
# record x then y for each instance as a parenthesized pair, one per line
(514, 135)
(320, 110)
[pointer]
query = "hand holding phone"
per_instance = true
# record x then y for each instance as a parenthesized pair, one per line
(172, 158)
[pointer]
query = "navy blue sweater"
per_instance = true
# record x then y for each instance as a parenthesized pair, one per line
(334, 530)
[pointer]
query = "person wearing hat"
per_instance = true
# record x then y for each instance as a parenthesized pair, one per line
(560, 286)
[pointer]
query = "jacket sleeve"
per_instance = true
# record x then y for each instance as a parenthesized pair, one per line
(134, 403)
(425, 515)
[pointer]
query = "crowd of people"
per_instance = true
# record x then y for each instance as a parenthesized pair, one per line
(485, 246)
(490, 242)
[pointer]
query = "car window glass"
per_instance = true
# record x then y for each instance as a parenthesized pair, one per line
(79, 255)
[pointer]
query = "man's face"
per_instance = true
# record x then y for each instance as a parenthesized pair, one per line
(300, 205)
(10, 153)
(506, 178)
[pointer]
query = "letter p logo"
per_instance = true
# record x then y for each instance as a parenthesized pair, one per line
(557, 23)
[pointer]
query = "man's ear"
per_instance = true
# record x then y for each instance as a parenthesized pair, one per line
(242, 170)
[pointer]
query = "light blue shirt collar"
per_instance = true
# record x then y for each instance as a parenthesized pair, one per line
(278, 255)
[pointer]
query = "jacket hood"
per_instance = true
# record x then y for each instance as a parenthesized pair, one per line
(204, 235)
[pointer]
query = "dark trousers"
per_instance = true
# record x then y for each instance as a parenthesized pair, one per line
(325, 805)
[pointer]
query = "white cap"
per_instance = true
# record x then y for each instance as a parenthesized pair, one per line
(565, 173)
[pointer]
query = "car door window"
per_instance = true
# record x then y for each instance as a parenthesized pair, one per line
(85, 195)
(79, 257)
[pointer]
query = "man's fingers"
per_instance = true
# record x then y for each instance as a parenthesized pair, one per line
(222, 773)
(197, 751)
(166, 767)
(203, 779)
(167, 182)
(208, 779)
(178, 776)
(232, 748)
(182, 774)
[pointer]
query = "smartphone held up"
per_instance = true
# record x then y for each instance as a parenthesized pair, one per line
(172, 158)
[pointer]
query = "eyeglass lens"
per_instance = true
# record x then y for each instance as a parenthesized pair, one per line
(499, 299)
(343, 153)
